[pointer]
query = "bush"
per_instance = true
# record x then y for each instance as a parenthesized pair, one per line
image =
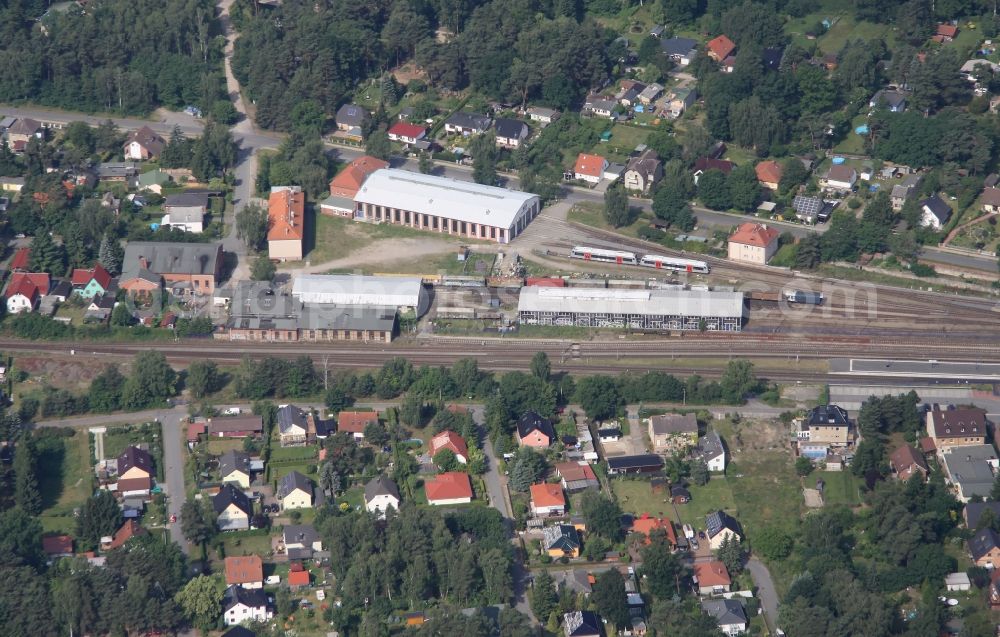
(921, 270)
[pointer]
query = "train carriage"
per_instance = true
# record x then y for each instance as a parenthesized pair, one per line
(605, 256)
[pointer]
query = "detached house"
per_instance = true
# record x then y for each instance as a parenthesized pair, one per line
(827, 424)
(542, 114)
(681, 99)
(354, 422)
(92, 282)
(301, 541)
(381, 494)
(990, 200)
(561, 540)
(510, 132)
(840, 178)
(547, 499)
(186, 211)
(576, 476)
(244, 605)
(893, 101)
(934, 212)
(234, 467)
(680, 50)
(599, 106)
(984, 547)
(232, 509)
(720, 48)
(295, 491)
(135, 472)
(670, 433)
(712, 578)
(406, 133)
(907, 462)
(582, 623)
(534, 431)
(450, 440)
(728, 613)
(246, 571)
(351, 119)
(719, 526)
(286, 212)
(466, 124)
(769, 174)
(295, 426)
(643, 172)
(143, 144)
(186, 269)
(589, 168)
(753, 243)
(452, 487)
(646, 525)
(24, 291)
(956, 427)
(23, 130)
(712, 452)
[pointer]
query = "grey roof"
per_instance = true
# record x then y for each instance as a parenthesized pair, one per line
(542, 111)
(804, 205)
(187, 200)
(601, 104)
(725, 611)
(968, 467)
(899, 191)
(304, 534)
(291, 416)
(234, 460)
(678, 46)
(112, 170)
(974, 511)
(640, 461)
(561, 536)
(232, 424)
(576, 580)
(231, 495)
(717, 521)
(983, 542)
(380, 486)
(334, 317)
(473, 121)
(236, 594)
(710, 446)
(171, 258)
(692, 303)
(827, 415)
(369, 291)
(937, 207)
(342, 203)
(891, 99)
(292, 481)
(674, 424)
(351, 115)
(510, 128)
(646, 163)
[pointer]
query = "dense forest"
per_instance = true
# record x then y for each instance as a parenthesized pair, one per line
(122, 56)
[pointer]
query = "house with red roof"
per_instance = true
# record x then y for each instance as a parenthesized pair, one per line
(712, 577)
(589, 168)
(720, 48)
(246, 571)
(24, 291)
(547, 499)
(769, 174)
(354, 422)
(298, 576)
(647, 524)
(945, 33)
(450, 440)
(406, 133)
(57, 546)
(91, 282)
(346, 184)
(19, 263)
(753, 243)
(286, 216)
(452, 487)
(129, 530)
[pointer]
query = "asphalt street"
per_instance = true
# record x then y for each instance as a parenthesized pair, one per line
(765, 590)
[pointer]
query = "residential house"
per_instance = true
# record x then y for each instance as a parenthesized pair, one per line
(296, 426)
(711, 451)
(185, 269)
(629, 94)
(135, 471)
(840, 178)
(130, 529)
(450, 440)
(406, 133)
(649, 94)
(945, 33)
(535, 431)
(576, 581)
(956, 426)
(354, 422)
(452, 487)
(728, 613)
(827, 424)
(232, 509)
(646, 525)
(351, 117)
(246, 571)
(657, 30)
(346, 184)
(286, 216)
(704, 164)
(720, 48)
(712, 578)
(239, 631)
(934, 212)
(753, 243)
(681, 99)
(561, 540)
(576, 476)
(234, 467)
(974, 511)
(543, 114)
(242, 426)
(153, 181)
(19, 262)
(769, 174)
(599, 106)
(641, 463)
(464, 123)
(671, 433)
(643, 172)
(990, 200)
(971, 469)
(300, 541)
(24, 290)
(719, 526)
(772, 56)
(547, 499)
(23, 130)
(295, 491)
(298, 576)
(91, 282)
(55, 546)
(969, 68)
(582, 623)
(12, 184)
(957, 582)
(984, 547)
(143, 144)
(119, 172)
(893, 101)
(906, 462)
(904, 190)
(241, 605)
(510, 132)
(680, 50)
(186, 211)
(589, 168)
(381, 494)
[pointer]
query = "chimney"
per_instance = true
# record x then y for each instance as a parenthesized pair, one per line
(143, 263)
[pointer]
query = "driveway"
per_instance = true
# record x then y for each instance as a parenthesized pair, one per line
(765, 591)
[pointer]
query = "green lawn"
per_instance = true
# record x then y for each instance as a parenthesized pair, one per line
(636, 497)
(592, 214)
(842, 487)
(219, 446)
(715, 495)
(293, 453)
(252, 545)
(623, 141)
(67, 480)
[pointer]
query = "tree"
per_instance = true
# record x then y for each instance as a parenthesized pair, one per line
(738, 381)
(608, 596)
(603, 515)
(616, 209)
(202, 378)
(424, 164)
(105, 393)
(376, 434)
(661, 570)
(543, 596)
(26, 494)
(713, 190)
(599, 396)
(995, 490)
(110, 254)
(100, 516)
(251, 225)
(411, 411)
(201, 600)
(527, 468)
(150, 382)
(197, 522)
(330, 482)
(484, 159)
(773, 543)
(744, 189)
(177, 152)
(377, 144)
(446, 461)
(20, 538)
(541, 367)
(803, 466)
(47, 256)
(808, 252)
(699, 472)
(121, 316)
(731, 554)
(263, 269)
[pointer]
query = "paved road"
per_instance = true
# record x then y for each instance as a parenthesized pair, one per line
(766, 591)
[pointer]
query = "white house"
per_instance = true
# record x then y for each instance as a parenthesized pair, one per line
(719, 526)
(295, 491)
(589, 168)
(729, 614)
(232, 509)
(712, 452)
(381, 493)
(242, 604)
(934, 212)
(840, 177)
(300, 540)
(186, 211)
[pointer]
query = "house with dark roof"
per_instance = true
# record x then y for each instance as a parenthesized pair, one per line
(680, 50)
(990, 200)
(295, 491)
(728, 613)
(463, 123)
(351, 116)
(839, 178)
(510, 133)
(829, 425)
(892, 101)
(934, 212)
(296, 426)
(719, 525)
(380, 494)
(185, 211)
(241, 605)
(143, 144)
(641, 463)
(970, 469)
(907, 462)
(561, 540)
(705, 164)
(711, 451)
(234, 466)
(239, 631)
(534, 431)
(952, 427)
(643, 172)
(974, 511)
(135, 471)
(984, 548)
(24, 129)
(240, 426)
(232, 509)
(582, 623)
(901, 192)
(673, 432)
(301, 541)
(186, 269)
